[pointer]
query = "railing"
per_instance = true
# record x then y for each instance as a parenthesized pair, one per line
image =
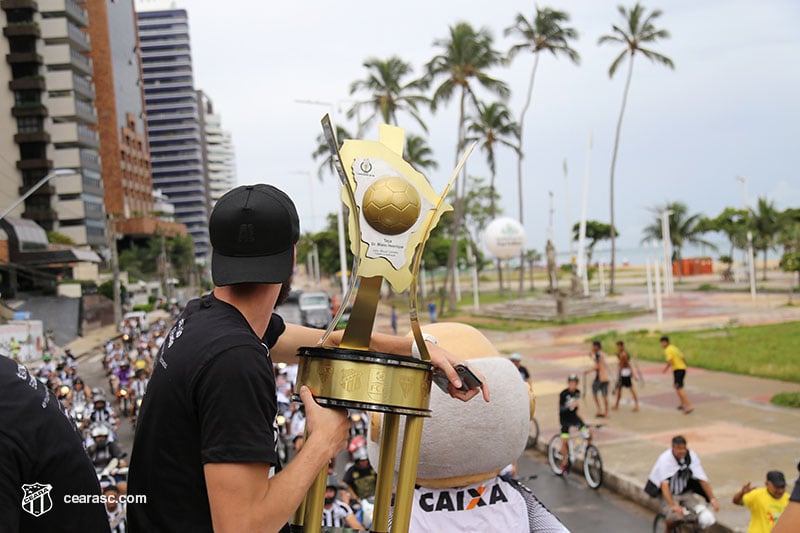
(80, 61)
(78, 13)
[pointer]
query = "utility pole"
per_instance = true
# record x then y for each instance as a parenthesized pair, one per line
(112, 238)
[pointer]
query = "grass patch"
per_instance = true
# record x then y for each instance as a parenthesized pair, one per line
(707, 287)
(764, 351)
(787, 399)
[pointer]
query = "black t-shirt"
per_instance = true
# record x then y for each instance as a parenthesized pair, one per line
(524, 373)
(363, 480)
(211, 399)
(795, 497)
(42, 461)
(565, 412)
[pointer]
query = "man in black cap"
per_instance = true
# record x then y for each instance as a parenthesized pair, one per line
(766, 504)
(204, 452)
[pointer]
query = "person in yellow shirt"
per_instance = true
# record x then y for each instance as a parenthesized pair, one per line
(677, 362)
(766, 503)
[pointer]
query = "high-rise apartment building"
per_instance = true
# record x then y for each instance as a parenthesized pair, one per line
(173, 123)
(25, 150)
(70, 102)
(219, 159)
(127, 177)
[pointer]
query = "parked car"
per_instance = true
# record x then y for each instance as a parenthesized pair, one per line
(315, 309)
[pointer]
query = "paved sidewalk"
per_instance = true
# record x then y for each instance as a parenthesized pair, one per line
(737, 432)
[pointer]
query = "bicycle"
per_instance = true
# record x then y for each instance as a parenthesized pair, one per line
(694, 521)
(577, 446)
(533, 435)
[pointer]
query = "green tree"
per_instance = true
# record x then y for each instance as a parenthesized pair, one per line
(493, 124)
(546, 31)
(595, 232)
(637, 32)
(418, 153)
(789, 238)
(322, 151)
(388, 92)
(683, 229)
(765, 224)
(465, 58)
(733, 223)
(56, 237)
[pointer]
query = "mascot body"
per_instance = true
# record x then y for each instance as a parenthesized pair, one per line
(465, 447)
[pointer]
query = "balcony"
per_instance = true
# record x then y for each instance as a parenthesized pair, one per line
(32, 137)
(27, 83)
(66, 80)
(74, 134)
(69, 107)
(8, 5)
(71, 209)
(29, 109)
(76, 13)
(22, 29)
(40, 215)
(34, 164)
(46, 189)
(23, 57)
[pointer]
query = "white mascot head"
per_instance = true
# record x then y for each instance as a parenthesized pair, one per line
(464, 443)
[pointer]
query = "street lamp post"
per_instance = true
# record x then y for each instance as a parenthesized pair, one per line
(751, 266)
(47, 177)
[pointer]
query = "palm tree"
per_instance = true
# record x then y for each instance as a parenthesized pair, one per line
(683, 229)
(596, 231)
(493, 124)
(322, 151)
(765, 222)
(466, 56)
(388, 93)
(637, 31)
(419, 154)
(543, 32)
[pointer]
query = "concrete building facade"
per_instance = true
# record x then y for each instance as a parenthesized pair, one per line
(173, 122)
(219, 159)
(70, 101)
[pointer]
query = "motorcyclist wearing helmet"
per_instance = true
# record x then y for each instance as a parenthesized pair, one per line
(336, 513)
(79, 391)
(361, 478)
(102, 449)
(101, 412)
(48, 367)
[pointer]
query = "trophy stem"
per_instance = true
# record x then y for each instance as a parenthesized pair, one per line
(407, 474)
(315, 498)
(383, 491)
(362, 318)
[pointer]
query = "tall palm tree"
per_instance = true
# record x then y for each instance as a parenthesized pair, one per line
(322, 151)
(766, 223)
(493, 124)
(683, 229)
(387, 91)
(419, 154)
(543, 32)
(465, 57)
(638, 30)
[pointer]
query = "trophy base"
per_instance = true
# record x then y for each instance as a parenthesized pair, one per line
(361, 379)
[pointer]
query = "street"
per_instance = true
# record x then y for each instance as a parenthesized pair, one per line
(580, 508)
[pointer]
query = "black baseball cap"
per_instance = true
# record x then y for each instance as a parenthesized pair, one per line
(776, 478)
(253, 231)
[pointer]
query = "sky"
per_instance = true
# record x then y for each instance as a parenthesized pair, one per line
(730, 108)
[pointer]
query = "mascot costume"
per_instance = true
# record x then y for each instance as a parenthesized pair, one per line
(465, 446)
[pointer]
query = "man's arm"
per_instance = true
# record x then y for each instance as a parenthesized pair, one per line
(285, 350)
(710, 493)
(737, 498)
(667, 494)
(353, 523)
(243, 497)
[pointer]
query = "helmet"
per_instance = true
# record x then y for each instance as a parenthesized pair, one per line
(99, 431)
(140, 364)
(705, 517)
(77, 381)
(46, 357)
(360, 454)
(573, 377)
(515, 357)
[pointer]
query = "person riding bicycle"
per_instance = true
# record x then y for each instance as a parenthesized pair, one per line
(568, 403)
(676, 477)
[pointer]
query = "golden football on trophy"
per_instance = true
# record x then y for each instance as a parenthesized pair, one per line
(391, 205)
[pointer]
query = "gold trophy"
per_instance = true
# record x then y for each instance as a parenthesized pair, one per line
(392, 210)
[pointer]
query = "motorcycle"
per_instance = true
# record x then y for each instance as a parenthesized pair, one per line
(124, 400)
